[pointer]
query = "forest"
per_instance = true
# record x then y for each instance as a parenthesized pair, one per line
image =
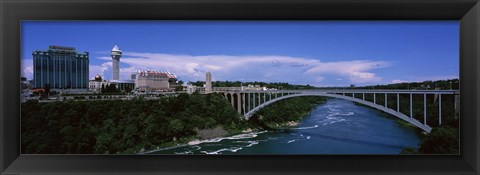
(438, 84)
(122, 126)
(275, 85)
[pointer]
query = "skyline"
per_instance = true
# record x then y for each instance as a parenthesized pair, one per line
(322, 53)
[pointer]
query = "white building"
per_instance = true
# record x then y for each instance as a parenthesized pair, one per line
(96, 84)
(153, 80)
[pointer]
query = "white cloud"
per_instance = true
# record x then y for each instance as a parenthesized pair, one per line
(125, 73)
(363, 77)
(27, 68)
(94, 70)
(399, 81)
(103, 70)
(318, 79)
(28, 72)
(251, 68)
(356, 71)
(106, 66)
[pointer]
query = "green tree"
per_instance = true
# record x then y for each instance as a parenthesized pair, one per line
(441, 140)
(176, 126)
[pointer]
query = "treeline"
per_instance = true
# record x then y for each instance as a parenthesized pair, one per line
(439, 84)
(86, 127)
(290, 109)
(277, 85)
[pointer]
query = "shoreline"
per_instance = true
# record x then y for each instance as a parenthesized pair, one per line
(196, 141)
(284, 125)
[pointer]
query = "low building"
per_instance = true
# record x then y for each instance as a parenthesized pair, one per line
(25, 84)
(192, 89)
(97, 83)
(146, 80)
(124, 85)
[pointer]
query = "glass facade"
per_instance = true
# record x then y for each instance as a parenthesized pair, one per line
(60, 68)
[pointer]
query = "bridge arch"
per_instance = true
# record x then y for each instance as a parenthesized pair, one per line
(228, 96)
(367, 103)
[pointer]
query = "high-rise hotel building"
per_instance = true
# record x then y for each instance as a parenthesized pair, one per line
(62, 68)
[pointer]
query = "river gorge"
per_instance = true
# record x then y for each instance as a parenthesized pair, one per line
(335, 127)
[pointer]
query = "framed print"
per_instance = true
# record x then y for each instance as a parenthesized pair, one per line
(202, 87)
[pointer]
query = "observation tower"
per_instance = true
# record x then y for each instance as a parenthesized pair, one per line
(116, 54)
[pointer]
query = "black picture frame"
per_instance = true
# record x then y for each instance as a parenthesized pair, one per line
(13, 11)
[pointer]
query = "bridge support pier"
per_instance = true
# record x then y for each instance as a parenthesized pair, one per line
(264, 97)
(457, 103)
(253, 99)
(411, 110)
(386, 100)
(398, 102)
(243, 104)
(248, 99)
(425, 109)
(259, 99)
(439, 109)
(239, 103)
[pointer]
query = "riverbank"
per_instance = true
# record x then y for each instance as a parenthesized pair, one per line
(288, 124)
(299, 108)
(247, 133)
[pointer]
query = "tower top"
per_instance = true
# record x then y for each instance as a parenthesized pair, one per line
(116, 49)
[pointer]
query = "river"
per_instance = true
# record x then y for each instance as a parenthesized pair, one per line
(335, 127)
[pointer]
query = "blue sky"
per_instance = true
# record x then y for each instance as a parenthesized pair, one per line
(319, 53)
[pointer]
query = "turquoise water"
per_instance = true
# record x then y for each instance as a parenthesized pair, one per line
(335, 127)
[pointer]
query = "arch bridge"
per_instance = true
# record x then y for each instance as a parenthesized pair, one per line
(249, 102)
